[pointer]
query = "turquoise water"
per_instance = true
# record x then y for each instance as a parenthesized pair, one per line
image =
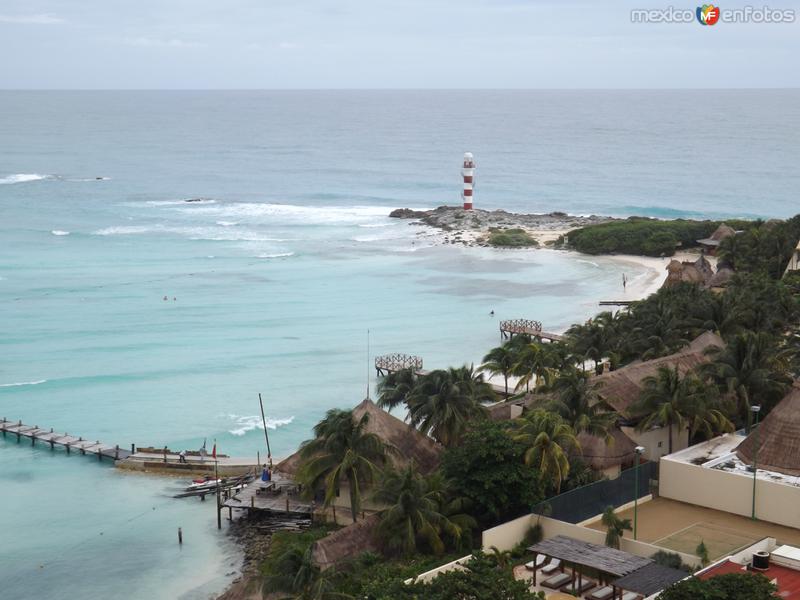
(273, 279)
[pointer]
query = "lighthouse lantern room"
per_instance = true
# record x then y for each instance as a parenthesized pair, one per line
(468, 172)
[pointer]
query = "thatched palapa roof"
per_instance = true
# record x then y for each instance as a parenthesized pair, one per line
(778, 438)
(346, 543)
(719, 234)
(599, 455)
(622, 387)
(410, 443)
(699, 272)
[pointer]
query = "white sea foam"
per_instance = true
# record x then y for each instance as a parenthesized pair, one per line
(59, 232)
(276, 255)
(251, 212)
(184, 202)
(21, 383)
(244, 424)
(22, 178)
(227, 223)
(213, 233)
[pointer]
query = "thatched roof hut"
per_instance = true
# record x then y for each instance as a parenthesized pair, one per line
(778, 438)
(622, 387)
(599, 455)
(722, 232)
(722, 277)
(347, 542)
(698, 272)
(410, 443)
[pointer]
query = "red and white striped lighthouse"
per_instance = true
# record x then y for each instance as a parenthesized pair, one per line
(468, 172)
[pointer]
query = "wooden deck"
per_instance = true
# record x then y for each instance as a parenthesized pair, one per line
(389, 363)
(512, 327)
(279, 496)
(34, 433)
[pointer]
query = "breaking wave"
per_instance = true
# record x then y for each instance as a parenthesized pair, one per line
(21, 383)
(22, 178)
(244, 424)
(59, 232)
(276, 255)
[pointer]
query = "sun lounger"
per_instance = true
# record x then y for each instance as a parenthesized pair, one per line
(540, 560)
(586, 585)
(557, 581)
(630, 596)
(554, 565)
(604, 593)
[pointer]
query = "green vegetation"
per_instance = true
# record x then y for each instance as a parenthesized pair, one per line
(640, 235)
(615, 527)
(510, 238)
(492, 472)
(488, 469)
(341, 451)
(735, 586)
(441, 403)
(420, 512)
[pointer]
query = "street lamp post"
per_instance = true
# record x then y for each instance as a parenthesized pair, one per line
(755, 409)
(639, 450)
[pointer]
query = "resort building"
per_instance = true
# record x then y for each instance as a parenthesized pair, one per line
(710, 244)
(757, 476)
(410, 445)
(778, 563)
(621, 388)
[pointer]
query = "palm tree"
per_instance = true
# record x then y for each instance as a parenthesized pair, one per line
(501, 361)
(615, 527)
(443, 402)
(706, 414)
(536, 362)
(342, 449)
(393, 389)
(750, 369)
(577, 400)
(415, 513)
(594, 339)
(664, 401)
(548, 439)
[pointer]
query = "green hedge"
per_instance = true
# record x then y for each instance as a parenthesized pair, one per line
(639, 235)
(511, 238)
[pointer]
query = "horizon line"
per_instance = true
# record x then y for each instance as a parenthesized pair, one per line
(399, 89)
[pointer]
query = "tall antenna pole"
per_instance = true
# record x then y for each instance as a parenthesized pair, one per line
(266, 433)
(367, 364)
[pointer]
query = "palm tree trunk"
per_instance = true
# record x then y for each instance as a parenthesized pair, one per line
(505, 376)
(670, 438)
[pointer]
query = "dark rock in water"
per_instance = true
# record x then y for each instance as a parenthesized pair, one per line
(408, 213)
(195, 199)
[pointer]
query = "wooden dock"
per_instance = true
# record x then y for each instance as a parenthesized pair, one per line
(389, 363)
(34, 433)
(512, 327)
(279, 496)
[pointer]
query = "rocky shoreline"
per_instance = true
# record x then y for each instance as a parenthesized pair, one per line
(474, 227)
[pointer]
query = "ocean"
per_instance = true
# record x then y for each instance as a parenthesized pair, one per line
(133, 316)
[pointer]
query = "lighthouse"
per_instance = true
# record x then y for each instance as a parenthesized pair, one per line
(468, 172)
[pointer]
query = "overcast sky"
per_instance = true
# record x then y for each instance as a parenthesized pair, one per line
(206, 44)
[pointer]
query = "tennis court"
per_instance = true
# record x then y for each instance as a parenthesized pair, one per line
(719, 540)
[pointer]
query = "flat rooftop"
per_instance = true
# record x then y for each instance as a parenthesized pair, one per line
(681, 527)
(719, 453)
(788, 580)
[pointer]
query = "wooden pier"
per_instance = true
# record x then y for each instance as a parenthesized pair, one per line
(617, 302)
(389, 363)
(279, 497)
(34, 433)
(512, 327)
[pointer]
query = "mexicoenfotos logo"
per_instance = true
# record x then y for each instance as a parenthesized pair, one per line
(708, 14)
